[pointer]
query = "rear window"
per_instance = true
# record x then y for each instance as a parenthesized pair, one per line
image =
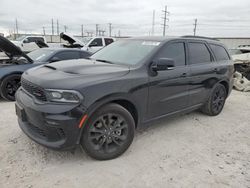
(198, 53)
(219, 52)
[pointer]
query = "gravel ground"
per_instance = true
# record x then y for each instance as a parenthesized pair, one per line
(193, 150)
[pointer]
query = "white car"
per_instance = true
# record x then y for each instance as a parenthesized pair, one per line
(91, 44)
(28, 43)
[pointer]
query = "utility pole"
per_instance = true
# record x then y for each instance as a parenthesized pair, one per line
(195, 26)
(110, 29)
(52, 26)
(65, 28)
(44, 31)
(165, 19)
(16, 27)
(153, 24)
(57, 27)
(82, 29)
(96, 29)
(119, 33)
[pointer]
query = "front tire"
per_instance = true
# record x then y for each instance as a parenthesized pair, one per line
(9, 86)
(108, 133)
(216, 101)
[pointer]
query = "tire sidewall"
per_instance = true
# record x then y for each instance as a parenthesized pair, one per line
(109, 108)
(218, 86)
(3, 85)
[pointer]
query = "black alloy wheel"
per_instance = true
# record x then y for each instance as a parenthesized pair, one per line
(108, 133)
(9, 86)
(216, 101)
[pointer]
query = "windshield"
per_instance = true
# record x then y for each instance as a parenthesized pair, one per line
(128, 52)
(85, 40)
(40, 55)
(20, 38)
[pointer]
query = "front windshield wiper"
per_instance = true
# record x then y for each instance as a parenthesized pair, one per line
(104, 61)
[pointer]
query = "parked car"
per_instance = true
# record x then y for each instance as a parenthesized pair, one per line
(98, 103)
(28, 43)
(17, 62)
(91, 44)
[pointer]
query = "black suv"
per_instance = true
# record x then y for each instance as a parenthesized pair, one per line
(98, 103)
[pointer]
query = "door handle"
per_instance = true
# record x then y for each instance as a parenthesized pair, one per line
(184, 75)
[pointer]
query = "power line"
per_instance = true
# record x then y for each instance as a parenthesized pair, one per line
(165, 19)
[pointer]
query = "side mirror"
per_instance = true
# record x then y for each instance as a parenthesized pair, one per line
(54, 59)
(163, 64)
(26, 41)
(92, 44)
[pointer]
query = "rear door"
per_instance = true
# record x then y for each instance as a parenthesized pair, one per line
(168, 91)
(203, 71)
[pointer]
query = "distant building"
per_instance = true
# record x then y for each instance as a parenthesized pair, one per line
(1, 34)
(234, 42)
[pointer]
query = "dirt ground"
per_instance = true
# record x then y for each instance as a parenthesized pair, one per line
(193, 150)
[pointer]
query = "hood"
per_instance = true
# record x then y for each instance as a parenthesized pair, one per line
(73, 74)
(71, 40)
(11, 49)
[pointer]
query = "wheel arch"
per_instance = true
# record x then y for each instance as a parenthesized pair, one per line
(120, 98)
(9, 74)
(226, 85)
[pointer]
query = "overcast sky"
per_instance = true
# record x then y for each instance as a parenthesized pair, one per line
(132, 17)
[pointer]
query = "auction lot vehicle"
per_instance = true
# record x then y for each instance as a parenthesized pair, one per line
(91, 44)
(17, 62)
(241, 57)
(98, 103)
(29, 43)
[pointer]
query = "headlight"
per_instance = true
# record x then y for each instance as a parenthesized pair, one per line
(64, 96)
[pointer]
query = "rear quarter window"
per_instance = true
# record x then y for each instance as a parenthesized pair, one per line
(219, 52)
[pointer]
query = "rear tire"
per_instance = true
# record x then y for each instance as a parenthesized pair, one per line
(9, 86)
(216, 101)
(108, 132)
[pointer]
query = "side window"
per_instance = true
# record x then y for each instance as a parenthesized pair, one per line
(30, 39)
(219, 52)
(198, 53)
(68, 55)
(175, 51)
(40, 39)
(108, 41)
(96, 42)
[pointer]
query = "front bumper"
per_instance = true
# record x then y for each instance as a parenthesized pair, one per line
(51, 125)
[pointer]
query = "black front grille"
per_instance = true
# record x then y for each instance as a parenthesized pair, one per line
(34, 90)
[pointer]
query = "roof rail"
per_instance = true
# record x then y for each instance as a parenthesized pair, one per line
(199, 37)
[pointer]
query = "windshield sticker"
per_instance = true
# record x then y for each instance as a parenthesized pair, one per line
(41, 56)
(150, 43)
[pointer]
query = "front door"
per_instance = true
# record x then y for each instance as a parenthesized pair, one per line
(168, 90)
